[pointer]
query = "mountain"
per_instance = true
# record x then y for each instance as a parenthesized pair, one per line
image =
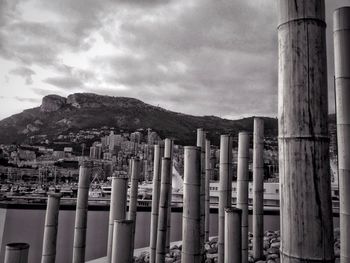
(59, 115)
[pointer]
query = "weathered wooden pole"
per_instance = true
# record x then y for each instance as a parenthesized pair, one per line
(225, 190)
(201, 137)
(208, 171)
(342, 82)
(122, 251)
(16, 253)
(158, 153)
(117, 209)
(258, 189)
(305, 187)
(135, 175)
(242, 188)
(165, 188)
(79, 242)
(191, 248)
(169, 153)
(233, 235)
(50, 231)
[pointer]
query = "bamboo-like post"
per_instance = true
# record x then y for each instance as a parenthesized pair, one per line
(117, 209)
(191, 248)
(158, 153)
(305, 187)
(225, 190)
(169, 153)
(258, 189)
(242, 188)
(135, 175)
(233, 235)
(79, 242)
(342, 82)
(208, 171)
(16, 253)
(163, 210)
(201, 138)
(50, 230)
(122, 251)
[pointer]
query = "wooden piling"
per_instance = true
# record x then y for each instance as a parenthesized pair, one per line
(191, 248)
(208, 172)
(242, 189)
(225, 190)
(158, 154)
(258, 189)
(117, 209)
(169, 153)
(79, 242)
(165, 187)
(342, 82)
(233, 235)
(305, 187)
(123, 248)
(16, 253)
(50, 230)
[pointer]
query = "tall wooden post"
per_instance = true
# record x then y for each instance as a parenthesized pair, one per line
(135, 175)
(342, 82)
(242, 188)
(169, 153)
(201, 144)
(233, 235)
(208, 171)
(258, 189)
(117, 209)
(158, 154)
(191, 248)
(163, 210)
(50, 231)
(225, 190)
(305, 187)
(79, 242)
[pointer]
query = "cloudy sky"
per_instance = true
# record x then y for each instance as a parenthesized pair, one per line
(202, 57)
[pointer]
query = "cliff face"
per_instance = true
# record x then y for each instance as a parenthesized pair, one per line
(59, 115)
(52, 103)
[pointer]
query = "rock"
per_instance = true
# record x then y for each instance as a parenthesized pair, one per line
(273, 250)
(275, 244)
(212, 250)
(272, 256)
(52, 103)
(212, 256)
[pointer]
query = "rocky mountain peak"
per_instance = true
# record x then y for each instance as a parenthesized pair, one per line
(52, 103)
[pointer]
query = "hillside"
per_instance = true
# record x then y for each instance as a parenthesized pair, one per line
(59, 115)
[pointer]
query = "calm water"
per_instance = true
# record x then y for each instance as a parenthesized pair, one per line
(27, 225)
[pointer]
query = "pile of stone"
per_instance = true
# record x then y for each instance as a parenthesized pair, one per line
(271, 249)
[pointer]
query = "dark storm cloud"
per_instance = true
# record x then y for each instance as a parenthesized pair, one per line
(24, 72)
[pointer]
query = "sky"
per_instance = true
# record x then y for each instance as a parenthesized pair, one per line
(200, 57)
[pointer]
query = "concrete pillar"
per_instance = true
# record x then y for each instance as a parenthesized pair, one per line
(117, 208)
(342, 81)
(201, 144)
(135, 175)
(158, 153)
(191, 248)
(163, 210)
(305, 186)
(169, 153)
(242, 188)
(50, 230)
(225, 189)
(16, 253)
(233, 235)
(122, 251)
(79, 242)
(208, 171)
(258, 189)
